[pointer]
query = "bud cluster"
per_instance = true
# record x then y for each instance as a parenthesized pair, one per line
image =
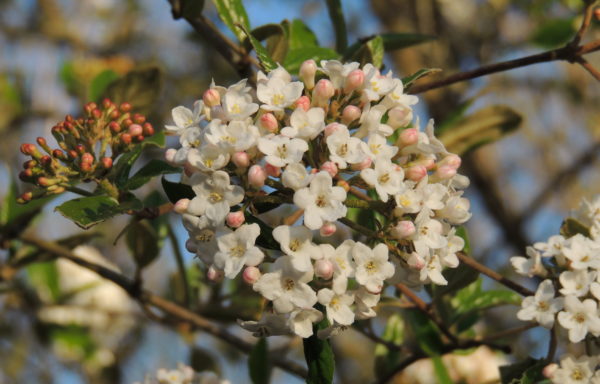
(87, 148)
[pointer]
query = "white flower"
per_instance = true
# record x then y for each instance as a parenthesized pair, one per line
(305, 124)
(407, 201)
(183, 375)
(281, 150)
(337, 71)
(269, 325)
(237, 102)
(214, 195)
(429, 232)
(237, 249)
(542, 307)
(297, 243)
(377, 146)
(209, 158)
(295, 176)
(582, 252)
(575, 370)
(301, 321)
(190, 139)
(456, 210)
(370, 122)
(278, 92)
(365, 302)
(286, 287)
(432, 271)
(580, 317)
(344, 149)
(553, 247)
(386, 177)
(372, 266)
(233, 137)
(397, 97)
(321, 201)
(576, 283)
(377, 85)
(531, 266)
(185, 118)
(337, 306)
(343, 265)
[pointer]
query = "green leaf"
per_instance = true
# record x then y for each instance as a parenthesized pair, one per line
(261, 52)
(339, 24)
(425, 332)
(386, 359)
(370, 51)
(233, 14)
(67, 76)
(296, 57)
(571, 227)
(528, 371)
(100, 82)
(152, 169)
(441, 373)
(89, 211)
(484, 126)
(259, 364)
(276, 38)
(461, 232)
(157, 140)
(409, 80)
(553, 33)
(300, 36)
(375, 46)
(266, 207)
(143, 242)
(44, 276)
(393, 41)
(73, 338)
(457, 278)
(319, 357)
(177, 191)
(120, 172)
(141, 88)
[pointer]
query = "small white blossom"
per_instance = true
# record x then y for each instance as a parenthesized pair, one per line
(305, 125)
(575, 370)
(344, 149)
(386, 177)
(542, 307)
(295, 176)
(337, 306)
(579, 318)
(278, 92)
(372, 266)
(297, 243)
(269, 325)
(302, 319)
(529, 266)
(237, 249)
(281, 150)
(185, 118)
(321, 201)
(214, 195)
(576, 283)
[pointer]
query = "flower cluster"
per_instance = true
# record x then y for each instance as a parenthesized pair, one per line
(341, 137)
(184, 375)
(569, 293)
(87, 148)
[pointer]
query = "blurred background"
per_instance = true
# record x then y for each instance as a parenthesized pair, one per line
(52, 53)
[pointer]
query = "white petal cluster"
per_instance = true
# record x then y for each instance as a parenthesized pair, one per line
(319, 147)
(183, 375)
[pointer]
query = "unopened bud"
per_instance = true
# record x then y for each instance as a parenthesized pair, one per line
(324, 269)
(251, 275)
(135, 130)
(106, 103)
(126, 138)
(344, 184)
(235, 219)
(366, 163)
(214, 274)
(45, 160)
(181, 206)
(444, 173)
(354, 80)
(126, 123)
(170, 155)
(241, 159)
(330, 167)
(451, 160)
(27, 196)
(107, 163)
(125, 107)
(29, 164)
(403, 229)
(303, 103)
(57, 153)
(327, 229)
(549, 370)
(350, 114)
(26, 175)
(139, 119)
(307, 72)
(211, 97)
(114, 127)
(87, 158)
(29, 149)
(272, 170)
(148, 129)
(323, 92)
(415, 261)
(85, 167)
(416, 172)
(399, 116)
(46, 182)
(269, 122)
(330, 129)
(96, 113)
(257, 176)
(408, 137)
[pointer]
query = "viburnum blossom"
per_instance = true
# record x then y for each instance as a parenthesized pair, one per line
(183, 375)
(340, 137)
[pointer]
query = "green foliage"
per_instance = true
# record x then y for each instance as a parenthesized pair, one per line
(441, 373)
(44, 276)
(300, 35)
(141, 88)
(259, 364)
(409, 80)
(234, 15)
(359, 51)
(553, 33)
(144, 242)
(425, 332)
(120, 171)
(319, 357)
(393, 41)
(571, 227)
(177, 191)
(11, 102)
(261, 52)
(484, 126)
(15, 217)
(296, 57)
(152, 169)
(89, 211)
(100, 83)
(385, 358)
(365, 217)
(528, 371)
(339, 24)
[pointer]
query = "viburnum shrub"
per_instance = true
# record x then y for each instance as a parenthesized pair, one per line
(339, 137)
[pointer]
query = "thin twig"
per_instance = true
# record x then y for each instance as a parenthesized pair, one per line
(589, 67)
(553, 344)
(588, 13)
(507, 332)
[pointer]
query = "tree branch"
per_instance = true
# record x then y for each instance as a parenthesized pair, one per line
(147, 298)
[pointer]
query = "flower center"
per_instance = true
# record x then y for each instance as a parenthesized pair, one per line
(282, 151)
(577, 374)
(288, 284)
(384, 178)
(195, 144)
(335, 303)
(585, 258)
(294, 245)
(321, 201)
(579, 317)
(237, 251)
(277, 99)
(235, 108)
(215, 197)
(543, 306)
(343, 150)
(205, 236)
(371, 267)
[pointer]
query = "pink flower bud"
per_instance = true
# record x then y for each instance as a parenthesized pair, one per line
(211, 97)
(330, 167)
(251, 275)
(328, 229)
(181, 206)
(399, 116)
(451, 160)
(190, 245)
(549, 370)
(135, 130)
(444, 172)
(188, 169)
(416, 261)
(403, 229)
(416, 172)
(303, 103)
(241, 159)
(332, 128)
(314, 171)
(354, 80)
(107, 162)
(214, 274)
(427, 162)
(323, 92)
(170, 155)
(324, 269)
(87, 158)
(307, 73)
(272, 170)
(350, 113)
(269, 122)
(408, 137)
(366, 163)
(235, 219)
(257, 176)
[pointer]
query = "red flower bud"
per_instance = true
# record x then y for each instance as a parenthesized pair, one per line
(106, 103)
(80, 148)
(135, 129)
(107, 162)
(27, 196)
(28, 149)
(25, 175)
(127, 122)
(45, 160)
(87, 158)
(115, 114)
(139, 119)
(126, 138)
(57, 153)
(114, 127)
(73, 154)
(148, 129)
(97, 113)
(29, 164)
(70, 118)
(125, 107)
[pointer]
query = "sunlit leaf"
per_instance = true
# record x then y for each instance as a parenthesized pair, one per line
(233, 13)
(152, 169)
(100, 82)
(261, 52)
(89, 211)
